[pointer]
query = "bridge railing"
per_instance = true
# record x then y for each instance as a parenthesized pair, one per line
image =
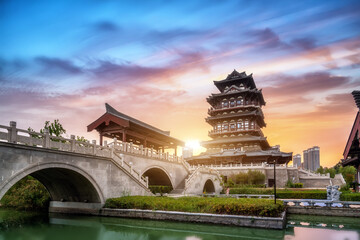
(129, 147)
(45, 140)
(241, 166)
(197, 171)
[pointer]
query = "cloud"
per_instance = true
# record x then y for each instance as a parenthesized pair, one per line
(106, 26)
(268, 39)
(285, 85)
(306, 43)
(57, 66)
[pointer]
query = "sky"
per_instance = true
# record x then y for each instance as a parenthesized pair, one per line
(157, 60)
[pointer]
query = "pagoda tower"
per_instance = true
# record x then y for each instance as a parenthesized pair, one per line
(236, 119)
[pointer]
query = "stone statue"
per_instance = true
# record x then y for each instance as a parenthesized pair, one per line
(329, 192)
(335, 193)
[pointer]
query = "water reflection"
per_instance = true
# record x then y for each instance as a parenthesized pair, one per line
(20, 225)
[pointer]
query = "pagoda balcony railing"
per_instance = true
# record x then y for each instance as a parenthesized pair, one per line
(219, 132)
(242, 166)
(212, 109)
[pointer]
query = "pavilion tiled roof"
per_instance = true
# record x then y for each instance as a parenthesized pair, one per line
(356, 95)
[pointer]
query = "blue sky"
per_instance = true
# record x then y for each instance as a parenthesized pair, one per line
(65, 59)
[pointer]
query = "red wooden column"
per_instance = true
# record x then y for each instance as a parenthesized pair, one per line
(123, 136)
(101, 139)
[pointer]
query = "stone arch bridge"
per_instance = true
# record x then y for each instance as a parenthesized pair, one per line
(80, 173)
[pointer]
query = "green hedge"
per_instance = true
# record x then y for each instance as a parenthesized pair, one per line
(249, 207)
(251, 191)
(283, 193)
(350, 197)
(160, 189)
(311, 194)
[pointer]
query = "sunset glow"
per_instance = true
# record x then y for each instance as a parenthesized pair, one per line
(156, 61)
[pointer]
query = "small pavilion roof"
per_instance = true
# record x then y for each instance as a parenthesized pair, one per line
(137, 127)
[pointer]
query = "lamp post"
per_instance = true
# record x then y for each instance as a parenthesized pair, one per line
(275, 180)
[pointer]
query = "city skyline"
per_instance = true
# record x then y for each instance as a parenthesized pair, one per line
(156, 61)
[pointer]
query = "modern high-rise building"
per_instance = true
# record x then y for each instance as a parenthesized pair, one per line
(297, 160)
(312, 158)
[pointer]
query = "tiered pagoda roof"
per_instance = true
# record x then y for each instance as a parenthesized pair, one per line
(236, 117)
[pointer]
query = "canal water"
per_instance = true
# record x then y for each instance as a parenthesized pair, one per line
(17, 225)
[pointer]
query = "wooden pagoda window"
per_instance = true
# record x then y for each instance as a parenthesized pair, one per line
(232, 104)
(240, 125)
(219, 127)
(225, 104)
(232, 127)
(246, 124)
(239, 102)
(225, 127)
(252, 125)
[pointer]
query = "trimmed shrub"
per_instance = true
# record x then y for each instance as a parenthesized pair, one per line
(241, 178)
(283, 193)
(252, 177)
(298, 185)
(350, 197)
(289, 184)
(256, 177)
(246, 190)
(160, 189)
(232, 206)
(309, 194)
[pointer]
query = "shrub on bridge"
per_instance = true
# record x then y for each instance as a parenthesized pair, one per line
(350, 197)
(232, 206)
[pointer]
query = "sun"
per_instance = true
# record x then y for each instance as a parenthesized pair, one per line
(193, 144)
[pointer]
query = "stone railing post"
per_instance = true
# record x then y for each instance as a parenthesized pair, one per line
(94, 147)
(147, 181)
(72, 143)
(131, 147)
(151, 152)
(105, 143)
(131, 170)
(141, 149)
(115, 142)
(12, 132)
(46, 143)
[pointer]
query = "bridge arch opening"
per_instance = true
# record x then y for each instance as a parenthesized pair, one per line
(67, 184)
(209, 187)
(158, 177)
